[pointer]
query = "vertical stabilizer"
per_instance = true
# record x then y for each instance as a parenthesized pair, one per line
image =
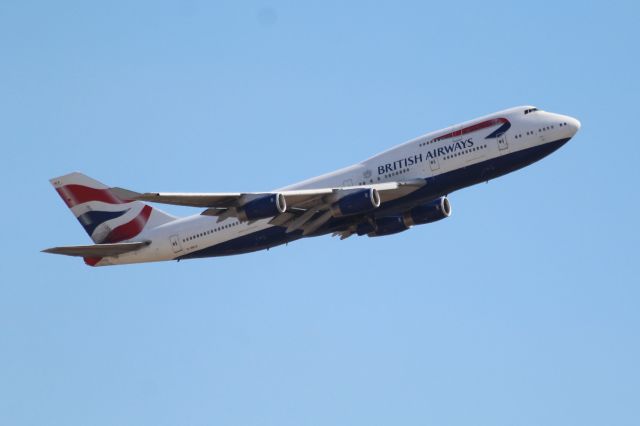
(105, 217)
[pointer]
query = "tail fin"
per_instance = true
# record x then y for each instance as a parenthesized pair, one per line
(105, 217)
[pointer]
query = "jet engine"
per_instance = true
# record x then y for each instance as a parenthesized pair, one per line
(358, 201)
(426, 213)
(263, 207)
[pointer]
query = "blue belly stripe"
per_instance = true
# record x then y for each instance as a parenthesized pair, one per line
(436, 187)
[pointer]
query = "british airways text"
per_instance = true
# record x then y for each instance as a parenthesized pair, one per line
(434, 153)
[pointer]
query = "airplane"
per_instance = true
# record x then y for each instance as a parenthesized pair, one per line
(391, 192)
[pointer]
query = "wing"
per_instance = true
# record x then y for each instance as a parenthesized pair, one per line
(98, 250)
(306, 209)
(193, 199)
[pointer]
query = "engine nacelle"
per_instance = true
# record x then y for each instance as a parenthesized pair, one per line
(358, 201)
(429, 212)
(425, 213)
(387, 226)
(262, 207)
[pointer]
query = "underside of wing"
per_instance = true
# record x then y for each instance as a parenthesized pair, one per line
(306, 209)
(98, 250)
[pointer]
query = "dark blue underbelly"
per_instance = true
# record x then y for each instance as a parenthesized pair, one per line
(436, 186)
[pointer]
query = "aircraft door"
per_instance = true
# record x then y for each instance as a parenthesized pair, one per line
(434, 164)
(502, 142)
(175, 243)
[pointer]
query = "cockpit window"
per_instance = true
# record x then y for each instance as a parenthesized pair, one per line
(527, 111)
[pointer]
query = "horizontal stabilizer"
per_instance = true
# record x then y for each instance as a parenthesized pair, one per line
(98, 250)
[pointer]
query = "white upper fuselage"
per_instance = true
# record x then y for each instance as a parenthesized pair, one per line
(535, 128)
(425, 157)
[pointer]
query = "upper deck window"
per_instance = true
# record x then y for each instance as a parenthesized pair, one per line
(527, 111)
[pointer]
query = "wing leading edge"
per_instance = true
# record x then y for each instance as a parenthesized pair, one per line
(296, 199)
(306, 209)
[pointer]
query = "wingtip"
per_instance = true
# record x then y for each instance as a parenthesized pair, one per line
(126, 194)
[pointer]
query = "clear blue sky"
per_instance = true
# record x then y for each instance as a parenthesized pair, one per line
(520, 309)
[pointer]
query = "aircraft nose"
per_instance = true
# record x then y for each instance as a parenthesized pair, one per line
(574, 124)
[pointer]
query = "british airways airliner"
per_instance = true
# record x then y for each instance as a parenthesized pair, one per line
(386, 194)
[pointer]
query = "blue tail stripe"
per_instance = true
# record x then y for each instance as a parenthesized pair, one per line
(91, 220)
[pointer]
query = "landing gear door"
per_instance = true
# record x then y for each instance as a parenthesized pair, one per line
(175, 243)
(502, 142)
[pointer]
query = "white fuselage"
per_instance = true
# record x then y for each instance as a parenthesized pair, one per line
(426, 157)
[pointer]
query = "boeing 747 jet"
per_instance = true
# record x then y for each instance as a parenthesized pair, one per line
(388, 193)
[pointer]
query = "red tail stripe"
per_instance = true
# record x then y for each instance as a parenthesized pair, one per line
(92, 261)
(78, 194)
(473, 128)
(129, 229)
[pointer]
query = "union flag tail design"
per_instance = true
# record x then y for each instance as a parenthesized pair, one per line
(104, 216)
